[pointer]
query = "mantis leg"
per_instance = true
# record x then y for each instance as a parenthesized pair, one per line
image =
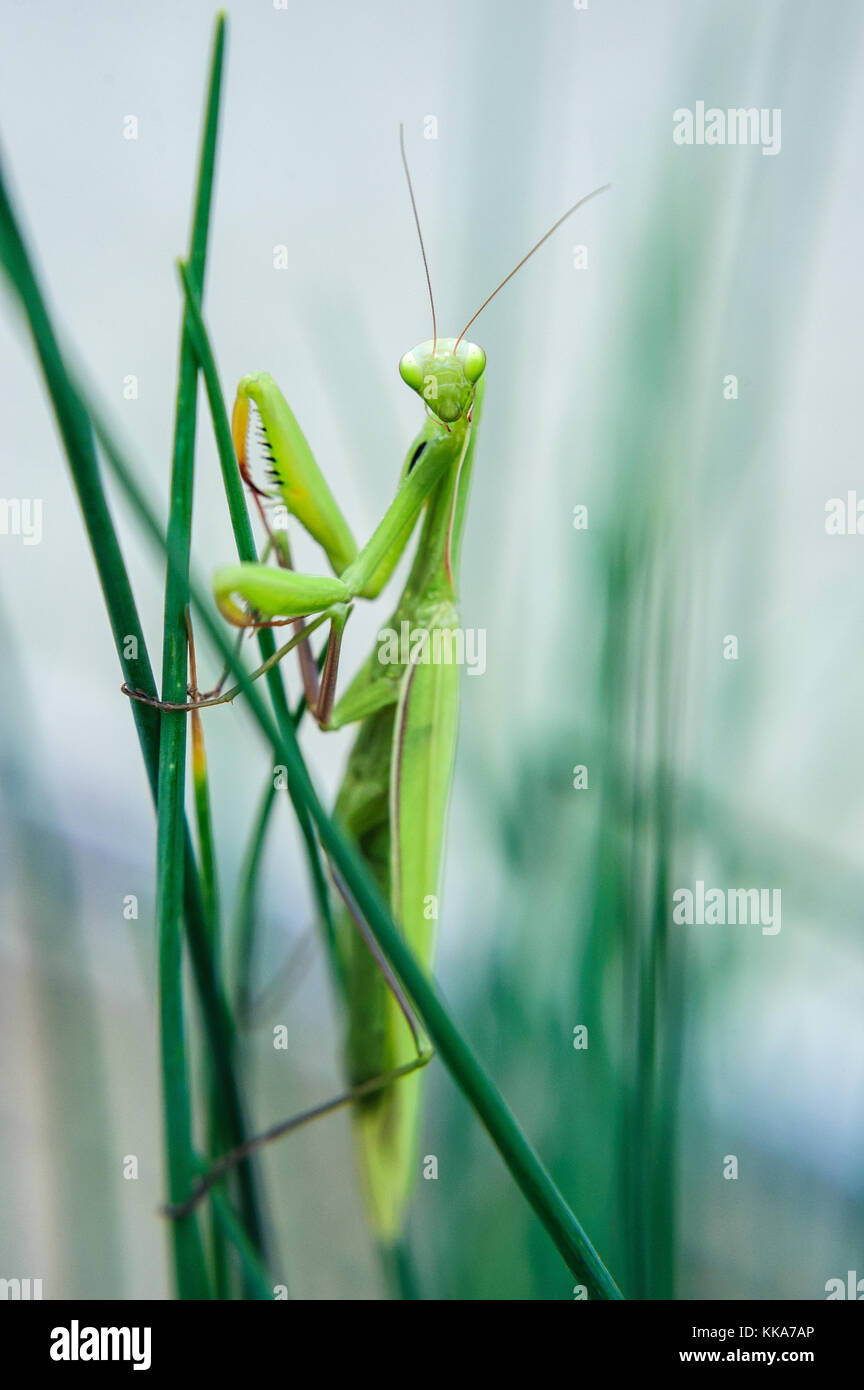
(217, 696)
(304, 491)
(278, 541)
(230, 1160)
(292, 467)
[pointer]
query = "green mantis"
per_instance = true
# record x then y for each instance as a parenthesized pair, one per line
(393, 800)
(394, 797)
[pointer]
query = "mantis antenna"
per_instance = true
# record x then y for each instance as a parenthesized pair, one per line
(419, 234)
(528, 255)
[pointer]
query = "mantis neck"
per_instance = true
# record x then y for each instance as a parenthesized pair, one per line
(435, 570)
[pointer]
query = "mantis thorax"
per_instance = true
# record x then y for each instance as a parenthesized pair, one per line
(444, 373)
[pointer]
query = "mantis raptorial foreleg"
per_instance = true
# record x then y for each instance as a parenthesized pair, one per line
(274, 593)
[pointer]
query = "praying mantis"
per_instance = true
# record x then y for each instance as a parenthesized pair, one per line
(394, 797)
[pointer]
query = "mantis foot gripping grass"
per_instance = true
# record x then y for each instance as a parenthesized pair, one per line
(394, 796)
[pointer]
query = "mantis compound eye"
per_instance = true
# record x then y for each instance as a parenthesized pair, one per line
(411, 370)
(473, 360)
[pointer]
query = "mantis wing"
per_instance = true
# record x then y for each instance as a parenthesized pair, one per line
(400, 830)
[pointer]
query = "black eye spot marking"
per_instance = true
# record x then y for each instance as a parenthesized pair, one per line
(416, 454)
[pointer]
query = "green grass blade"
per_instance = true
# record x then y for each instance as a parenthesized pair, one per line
(255, 1274)
(243, 935)
(77, 436)
(218, 1139)
(189, 1260)
(204, 825)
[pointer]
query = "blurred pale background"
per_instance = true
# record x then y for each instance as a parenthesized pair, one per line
(604, 648)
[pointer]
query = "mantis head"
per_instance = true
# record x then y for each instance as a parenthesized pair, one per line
(444, 372)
